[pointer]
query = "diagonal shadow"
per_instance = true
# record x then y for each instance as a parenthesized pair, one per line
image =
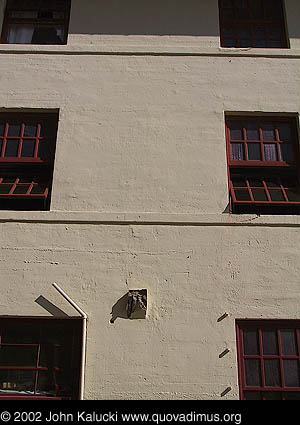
(51, 308)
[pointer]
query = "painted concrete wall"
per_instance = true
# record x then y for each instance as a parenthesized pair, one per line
(140, 187)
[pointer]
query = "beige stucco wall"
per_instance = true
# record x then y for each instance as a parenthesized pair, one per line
(140, 186)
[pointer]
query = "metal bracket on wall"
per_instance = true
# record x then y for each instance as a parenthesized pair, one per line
(136, 306)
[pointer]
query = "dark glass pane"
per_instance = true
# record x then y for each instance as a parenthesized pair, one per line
(1, 143)
(5, 188)
(287, 152)
(270, 151)
(46, 382)
(236, 132)
(275, 395)
(289, 342)
(293, 194)
(270, 343)
(290, 182)
(275, 44)
(30, 129)
(252, 395)
(259, 43)
(47, 35)
(274, 32)
(238, 182)
(256, 9)
(237, 151)
(255, 182)
(268, 132)
(12, 147)
(2, 128)
(291, 373)
(254, 151)
(245, 43)
(289, 395)
(227, 4)
(242, 195)
(228, 31)
(252, 372)
(18, 356)
(50, 355)
(276, 195)
(252, 132)
(14, 129)
(28, 148)
(250, 338)
(17, 380)
(259, 32)
(38, 190)
(16, 334)
(285, 132)
(272, 372)
(242, 9)
(272, 182)
(259, 195)
(23, 14)
(244, 32)
(44, 149)
(228, 14)
(229, 43)
(21, 189)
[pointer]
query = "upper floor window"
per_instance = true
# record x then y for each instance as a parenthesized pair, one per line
(40, 358)
(269, 359)
(27, 148)
(263, 164)
(36, 22)
(252, 23)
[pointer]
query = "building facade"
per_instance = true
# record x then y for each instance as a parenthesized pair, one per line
(138, 193)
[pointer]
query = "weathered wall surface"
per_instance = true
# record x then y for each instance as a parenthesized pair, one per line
(140, 185)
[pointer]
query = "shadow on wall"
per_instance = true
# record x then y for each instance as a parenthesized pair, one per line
(136, 17)
(119, 309)
(51, 308)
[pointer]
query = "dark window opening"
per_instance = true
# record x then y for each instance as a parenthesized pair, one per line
(263, 165)
(27, 149)
(36, 22)
(252, 23)
(40, 358)
(269, 359)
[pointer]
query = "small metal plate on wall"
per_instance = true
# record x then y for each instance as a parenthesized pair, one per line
(136, 306)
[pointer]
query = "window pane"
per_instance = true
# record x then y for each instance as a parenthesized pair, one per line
(272, 182)
(30, 130)
(46, 382)
(276, 195)
(272, 372)
(18, 356)
(44, 149)
(48, 35)
(252, 132)
(274, 32)
(2, 128)
(15, 334)
(38, 189)
(243, 32)
(270, 345)
(275, 44)
(14, 129)
(289, 395)
(270, 151)
(288, 341)
(255, 182)
(12, 146)
(17, 380)
(5, 188)
(276, 395)
(245, 43)
(284, 132)
(21, 189)
(268, 132)
(293, 194)
(236, 132)
(256, 9)
(228, 32)
(250, 338)
(28, 148)
(242, 195)
(238, 182)
(259, 43)
(259, 195)
(252, 372)
(227, 4)
(287, 152)
(237, 151)
(259, 32)
(252, 395)
(254, 151)
(291, 373)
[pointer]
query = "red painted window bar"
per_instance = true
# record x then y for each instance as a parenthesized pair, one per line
(263, 164)
(269, 359)
(252, 23)
(27, 148)
(36, 22)
(39, 358)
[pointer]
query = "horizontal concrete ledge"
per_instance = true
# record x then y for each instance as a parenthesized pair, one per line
(147, 51)
(144, 219)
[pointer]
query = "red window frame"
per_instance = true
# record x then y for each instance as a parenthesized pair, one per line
(40, 326)
(27, 151)
(248, 27)
(271, 178)
(264, 355)
(59, 8)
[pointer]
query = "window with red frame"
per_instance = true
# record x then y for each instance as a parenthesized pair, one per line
(40, 358)
(27, 148)
(263, 164)
(36, 22)
(269, 359)
(252, 23)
